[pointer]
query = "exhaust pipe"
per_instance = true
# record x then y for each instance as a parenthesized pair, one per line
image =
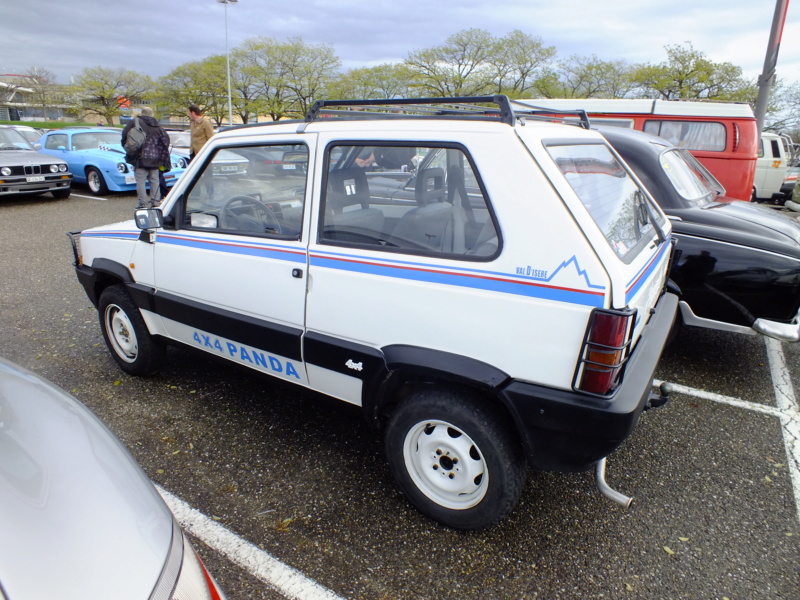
(605, 489)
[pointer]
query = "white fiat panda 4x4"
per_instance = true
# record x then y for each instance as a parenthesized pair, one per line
(487, 284)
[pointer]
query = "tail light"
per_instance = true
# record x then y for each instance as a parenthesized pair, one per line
(605, 350)
(735, 137)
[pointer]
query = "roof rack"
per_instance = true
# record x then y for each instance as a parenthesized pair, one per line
(490, 108)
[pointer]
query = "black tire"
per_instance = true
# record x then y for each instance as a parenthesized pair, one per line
(61, 194)
(456, 458)
(125, 333)
(96, 182)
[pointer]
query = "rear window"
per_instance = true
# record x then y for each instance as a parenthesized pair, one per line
(614, 200)
(692, 135)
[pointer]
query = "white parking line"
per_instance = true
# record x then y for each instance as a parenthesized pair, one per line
(786, 409)
(287, 580)
(101, 199)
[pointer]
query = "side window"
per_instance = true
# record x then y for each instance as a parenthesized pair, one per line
(692, 135)
(250, 190)
(409, 199)
(776, 149)
(54, 141)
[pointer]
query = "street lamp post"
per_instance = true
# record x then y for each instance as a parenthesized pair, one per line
(228, 59)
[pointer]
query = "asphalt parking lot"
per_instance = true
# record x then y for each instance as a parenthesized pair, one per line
(293, 498)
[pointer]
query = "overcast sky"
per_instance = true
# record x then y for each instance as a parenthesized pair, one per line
(155, 36)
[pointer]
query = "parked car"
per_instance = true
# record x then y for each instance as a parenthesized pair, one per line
(225, 163)
(31, 134)
(789, 182)
(523, 320)
(80, 520)
(24, 171)
(737, 264)
(96, 158)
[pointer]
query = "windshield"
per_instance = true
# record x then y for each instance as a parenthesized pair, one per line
(179, 139)
(689, 178)
(92, 139)
(12, 140)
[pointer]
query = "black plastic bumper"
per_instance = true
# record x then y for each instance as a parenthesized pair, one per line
(564, 430)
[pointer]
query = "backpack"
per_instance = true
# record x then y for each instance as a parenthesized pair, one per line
(154, 149)
(135, 139)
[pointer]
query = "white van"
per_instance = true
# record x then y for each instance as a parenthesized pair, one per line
(771, 167)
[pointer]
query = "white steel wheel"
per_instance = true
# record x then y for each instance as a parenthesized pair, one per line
(456, 456)
(125, 333)
(121, 333)
(446, 465)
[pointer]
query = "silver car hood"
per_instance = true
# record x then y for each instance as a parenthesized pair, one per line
(15, 158)
(78, 517)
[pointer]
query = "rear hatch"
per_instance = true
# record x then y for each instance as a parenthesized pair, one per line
(625, 226)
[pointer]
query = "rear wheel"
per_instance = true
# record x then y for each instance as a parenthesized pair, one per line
(125, 333)
(455, 458)
(96, 182)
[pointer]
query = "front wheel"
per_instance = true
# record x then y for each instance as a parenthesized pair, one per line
(456, 458)
(96, 181)
(125, 333)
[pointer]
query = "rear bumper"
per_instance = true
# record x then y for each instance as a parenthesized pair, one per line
(564, 430)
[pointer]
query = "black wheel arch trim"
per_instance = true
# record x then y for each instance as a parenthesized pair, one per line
(102, 270)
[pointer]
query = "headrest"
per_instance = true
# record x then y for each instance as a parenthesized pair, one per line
(347, 187)
(429, 186)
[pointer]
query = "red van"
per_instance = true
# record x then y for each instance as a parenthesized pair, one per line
(723, 136)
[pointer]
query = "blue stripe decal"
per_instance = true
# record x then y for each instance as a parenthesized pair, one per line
(468, 278)
(635, 284)
(113, 235)
(273, 251)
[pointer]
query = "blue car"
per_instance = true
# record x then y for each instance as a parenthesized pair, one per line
(96, 158)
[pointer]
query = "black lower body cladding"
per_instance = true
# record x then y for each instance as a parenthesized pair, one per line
(569, 431)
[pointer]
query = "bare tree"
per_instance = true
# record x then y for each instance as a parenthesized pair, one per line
(43, 84)
(104, 91)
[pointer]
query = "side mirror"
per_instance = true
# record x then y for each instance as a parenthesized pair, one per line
(37, 146)
(62, 148)
(148, 218)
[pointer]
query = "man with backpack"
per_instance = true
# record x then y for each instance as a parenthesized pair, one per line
(146, 146)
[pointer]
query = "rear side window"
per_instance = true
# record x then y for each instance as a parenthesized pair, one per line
(692, 135)
(614, 200)
(411, 199)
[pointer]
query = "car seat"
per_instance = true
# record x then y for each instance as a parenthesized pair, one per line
(347, 202)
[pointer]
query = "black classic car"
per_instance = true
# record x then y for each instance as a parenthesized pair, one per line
(736, 265)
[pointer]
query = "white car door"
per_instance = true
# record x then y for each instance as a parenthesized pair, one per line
(231, 276)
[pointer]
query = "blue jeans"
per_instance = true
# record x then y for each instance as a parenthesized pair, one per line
(144, 176)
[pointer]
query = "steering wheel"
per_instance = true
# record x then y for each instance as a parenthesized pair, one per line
(231, 218)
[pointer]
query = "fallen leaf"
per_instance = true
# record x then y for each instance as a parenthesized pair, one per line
(669, 550)
(629, 587)
(176, 452)
(767, 479)
(117, 382)
(160, 471)
(683, 539)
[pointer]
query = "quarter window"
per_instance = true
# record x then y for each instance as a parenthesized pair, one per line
(410, 199)
(252, 190)
(692, 135)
